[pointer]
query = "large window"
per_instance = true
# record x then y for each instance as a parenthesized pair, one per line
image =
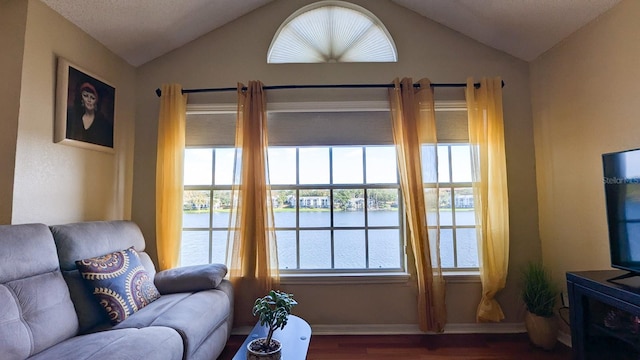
(337, 201)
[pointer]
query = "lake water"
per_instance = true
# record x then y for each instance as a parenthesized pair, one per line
(351, 249)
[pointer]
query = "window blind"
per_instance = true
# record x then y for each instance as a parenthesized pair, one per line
(318, 128)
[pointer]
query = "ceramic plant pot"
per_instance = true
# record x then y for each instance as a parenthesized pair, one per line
(254, 350)
(543, 331)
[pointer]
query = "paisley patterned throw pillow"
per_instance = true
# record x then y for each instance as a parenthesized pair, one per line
(119, 282)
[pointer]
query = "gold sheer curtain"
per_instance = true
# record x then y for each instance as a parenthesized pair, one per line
(253, 259)
(414, 129)
(489, 172)
(169, 174)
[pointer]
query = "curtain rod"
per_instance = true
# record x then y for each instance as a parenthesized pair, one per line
(334, 86)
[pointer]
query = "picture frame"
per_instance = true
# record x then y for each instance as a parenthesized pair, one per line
(85, 109)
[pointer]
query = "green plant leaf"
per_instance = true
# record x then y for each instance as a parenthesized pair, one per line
(273, 310)
(539, 292)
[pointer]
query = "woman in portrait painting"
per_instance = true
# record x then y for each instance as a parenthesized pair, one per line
(84, 120)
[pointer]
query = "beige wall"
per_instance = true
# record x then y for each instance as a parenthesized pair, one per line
(237, 52)
(57, 183)
(13, 22)
(584, 99)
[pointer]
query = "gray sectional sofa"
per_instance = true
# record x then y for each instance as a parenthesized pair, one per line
(50, 313)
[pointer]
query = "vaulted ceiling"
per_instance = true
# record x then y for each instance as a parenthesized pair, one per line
(132, 28)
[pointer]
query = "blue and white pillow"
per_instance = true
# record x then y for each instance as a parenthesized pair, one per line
(119, 282)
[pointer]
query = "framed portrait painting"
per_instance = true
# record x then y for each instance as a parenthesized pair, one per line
(85, 109)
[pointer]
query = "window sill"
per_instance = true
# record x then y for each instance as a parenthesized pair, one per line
(459, 277)
(373, 278)
(351, 278)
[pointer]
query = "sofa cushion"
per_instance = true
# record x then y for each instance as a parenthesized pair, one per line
(157, 343)
(94, 238)
(120, 283)
(194, 315)
(190, 278)
(37, 311)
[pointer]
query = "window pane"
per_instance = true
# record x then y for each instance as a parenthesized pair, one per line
(282, 165)
(315, 210)
(194, 248)
(224, 166)
(286, 249)
(349, 249)
(446, 248)
(285, 218)
(384, 249)
(195, 209)
(443, 163)
(429, 169)
(445, 207)
(315, 249)
(465, 214)
(347, 165)
(219, 247)
(221, 206)
(434, 243)
(383, 207)
(433, 213)
(348, 207)
(381, 165)
(467, 248)
(461, 163)
(284, 208)
(197, 166)
(314, 165)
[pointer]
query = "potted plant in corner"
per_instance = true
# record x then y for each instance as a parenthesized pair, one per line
(273, 311)
(539, 294)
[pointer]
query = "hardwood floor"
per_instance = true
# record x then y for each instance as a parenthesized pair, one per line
(419, 347)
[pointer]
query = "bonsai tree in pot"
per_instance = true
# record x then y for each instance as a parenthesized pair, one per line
(539, 294)
(273, 311)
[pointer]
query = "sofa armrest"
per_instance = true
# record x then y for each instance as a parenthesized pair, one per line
(190, 278)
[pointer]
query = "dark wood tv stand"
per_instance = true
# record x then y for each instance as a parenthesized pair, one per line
(605, 315)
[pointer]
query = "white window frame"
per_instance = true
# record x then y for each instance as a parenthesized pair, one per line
(332, 227)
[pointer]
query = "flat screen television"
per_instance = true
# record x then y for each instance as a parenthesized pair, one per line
(622, 195)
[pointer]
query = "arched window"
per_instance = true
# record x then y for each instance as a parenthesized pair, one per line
(332, 31)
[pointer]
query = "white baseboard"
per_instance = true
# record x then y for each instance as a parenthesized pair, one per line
(366, 329)
(405, 329)
(413, 329)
